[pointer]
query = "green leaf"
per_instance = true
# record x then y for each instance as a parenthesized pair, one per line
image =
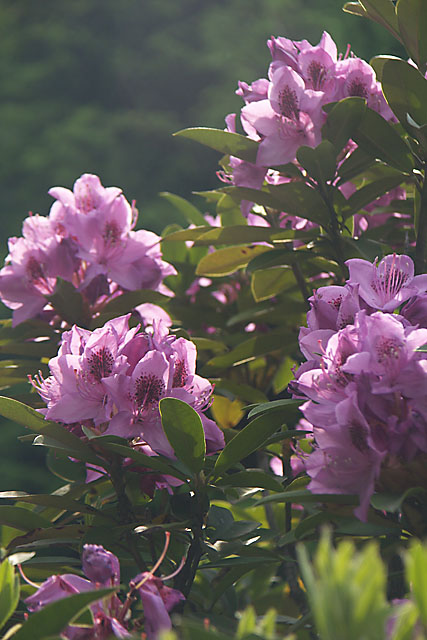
(355, 9)
(47, 500)
(378, 138)
(250, 478)
(54, 617)
(232, 144)
(406, 92)
(184, 430)
(69, 303)
(343, 120)
(248, 440)
(242, 391)
(131, 299)
(370, 192)
(9, 591)
(191, 213)
(298, 199)
(320, 162)
(264, 198)
(22, 519)
(304, 496)
(234, 235)
(382, 12)
(416, 570)
(266, 283)
(157, 463)
(287, 405)
(223, 262)
(29, 417)
(412, 19)
(251, 349)
(378, 62)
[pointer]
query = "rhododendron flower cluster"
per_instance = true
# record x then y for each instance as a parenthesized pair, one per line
(111, 379)
(285, 111)
(88, 239)
(102, 570)
(365, 380)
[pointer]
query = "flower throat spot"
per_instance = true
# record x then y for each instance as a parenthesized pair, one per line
(289, 103)
(317, 74)
(148, 390)
(100, 363)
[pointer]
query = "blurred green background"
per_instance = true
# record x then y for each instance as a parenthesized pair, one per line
(99, 86)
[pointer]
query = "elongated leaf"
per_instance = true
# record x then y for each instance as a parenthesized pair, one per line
(29, 417)
(343, 120)
(383, 12)
(225, 261)
(131, 299)
(406, 92)
(234, 235)
(157, 463)
(287, 405)
(298, 199)
(320, 162)
(183, 428)
(250, 478)
(378, 138)
(69, 303)
(266, 283)
(370, 192)
(22, 519)
(191, 213)
(208, 344)
(54, 617)
(264, 198)
(412, 19)
(251, 349)
(247, 440)
(355, 9)
(9, 591)
(301, 497)
(47, 500)
(186, 234)
(232, 144)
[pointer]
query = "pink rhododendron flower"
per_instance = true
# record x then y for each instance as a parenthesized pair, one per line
(88, 240)
(113, 378)
(387, 285)
(103, 570)
(364, 379)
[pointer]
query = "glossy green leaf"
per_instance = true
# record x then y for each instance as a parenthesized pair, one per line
(48, 500)
(303, 496)
(412, 19)
(264, 198)
(266, 283)
(406, 92)
(242, 391)
(234, 235)
(287, 405)
(370, 192)
(383, 12)
(343, 120)
(54, 617)
(69, 303)
(251, 349)
(232, 144)
(191, 213)
(320, 162)
(29, 417)
(378, 138)
(355, 9)
(131, 299)
(248, 440)
(416, 569)
(186, 234)
(225, 261)
(250, 478)
(156, 463)
(298, 199)
(9, 591)
(378, 62)
(184, 430)
(22, 519)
